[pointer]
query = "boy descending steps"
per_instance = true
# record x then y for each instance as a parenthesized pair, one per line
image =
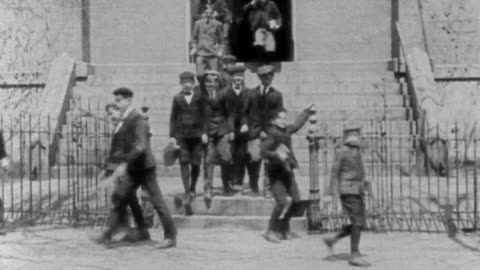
(277, 149)
(188, 129)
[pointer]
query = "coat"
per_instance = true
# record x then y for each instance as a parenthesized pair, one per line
(131, 144)
(348, 172)
(262, 109)
(236, 106)
(207, 37)
(220, 121)
(276, 138)
(259, 15)
(188, 120)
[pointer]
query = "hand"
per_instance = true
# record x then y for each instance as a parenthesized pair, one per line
(193, 51)
(219, 54)
(263, 135)
(244, 129)
(172, 141)
(231, 136)
(312, 108)
(5, 163)
(282, 155)
(204, 139)
(121, 169)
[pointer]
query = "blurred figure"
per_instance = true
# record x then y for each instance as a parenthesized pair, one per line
(4, 165)
(264, 19)
(228, 62)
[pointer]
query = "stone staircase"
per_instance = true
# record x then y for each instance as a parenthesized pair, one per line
(364, 92)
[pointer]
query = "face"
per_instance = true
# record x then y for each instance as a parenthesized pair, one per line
(187, 85)
(281, 120)
(122, 103)
(208, 13)
(212, 83)
(238, 80)
(228, 65)
(113, 114)
(266, 79)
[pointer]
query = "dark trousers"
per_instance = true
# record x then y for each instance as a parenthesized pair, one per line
(282, 187)
(123, 193)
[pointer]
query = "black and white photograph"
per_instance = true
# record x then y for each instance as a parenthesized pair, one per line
(239, 134)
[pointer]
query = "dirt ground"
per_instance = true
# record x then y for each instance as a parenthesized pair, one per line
(231, 248)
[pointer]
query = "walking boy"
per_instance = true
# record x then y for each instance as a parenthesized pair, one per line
(348, 180)
(277, 149)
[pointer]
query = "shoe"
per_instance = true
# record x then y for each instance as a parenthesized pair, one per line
(356, 260)
(271, 237)
(167, 243)
(208, 199)
(105, 238)
(290, 236)
(329, 242)
(237, 188)
(136, 236)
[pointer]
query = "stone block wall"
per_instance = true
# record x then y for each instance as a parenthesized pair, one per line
(33, 32)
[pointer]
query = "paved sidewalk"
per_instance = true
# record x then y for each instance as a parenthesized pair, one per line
(231, 248)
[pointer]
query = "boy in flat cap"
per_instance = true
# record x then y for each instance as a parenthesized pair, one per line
(348, 180)
(188, 129)
(263, 105)
(228, 62)
(277, 149)
(237, 95)
(220, 134)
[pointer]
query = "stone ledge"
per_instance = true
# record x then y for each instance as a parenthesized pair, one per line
(457, 72)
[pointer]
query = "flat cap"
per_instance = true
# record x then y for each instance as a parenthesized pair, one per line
(229, 58)
(187, 75)
(236, 70)
(267, 69)
(124, 92)
(212, 73)
(352, 127)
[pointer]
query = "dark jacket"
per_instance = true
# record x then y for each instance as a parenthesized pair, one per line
(188, 120)
(259, 15)
(131, 144)
(226, 79)
(220, 121)
(262, 109)
(236, 106)
(276, 137)
(3, 152)
(348, 172)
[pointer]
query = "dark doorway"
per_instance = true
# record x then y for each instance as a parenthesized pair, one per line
(241, 37)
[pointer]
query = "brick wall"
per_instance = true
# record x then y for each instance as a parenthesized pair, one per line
(33, 32)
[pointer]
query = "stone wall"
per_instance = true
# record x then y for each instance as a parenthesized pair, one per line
(451, 28)
(33, 32)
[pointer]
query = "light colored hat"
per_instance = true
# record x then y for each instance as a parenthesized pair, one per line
(267, 69)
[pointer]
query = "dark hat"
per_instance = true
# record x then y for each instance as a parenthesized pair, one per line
(211, 73)
(124, 92)
(170, 154)
(352, 127)
(267, 69)
(236, 70)
(187, 75)
(229, 58)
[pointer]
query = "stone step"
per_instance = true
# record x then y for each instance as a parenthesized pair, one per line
(244, 222)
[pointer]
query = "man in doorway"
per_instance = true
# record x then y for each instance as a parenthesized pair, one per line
(221, 12)
(207, 42)
(264, 19)
(263, 105)
(136, 168)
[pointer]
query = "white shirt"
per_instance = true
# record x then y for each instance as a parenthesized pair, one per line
(188, 98)
(124, 115)
(237, 91)
(266, 90)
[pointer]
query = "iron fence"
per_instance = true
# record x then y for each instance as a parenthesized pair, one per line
(427, 185)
